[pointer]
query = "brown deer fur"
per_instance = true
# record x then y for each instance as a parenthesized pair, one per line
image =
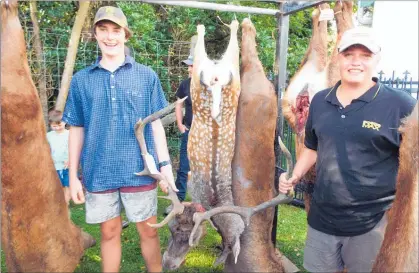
(37, 234)
(253, 164)
(399, 251)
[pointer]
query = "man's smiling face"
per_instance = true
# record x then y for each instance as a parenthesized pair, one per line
(111, 38)
(357, 64)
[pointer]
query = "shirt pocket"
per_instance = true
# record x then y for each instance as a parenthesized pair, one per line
(136, 101)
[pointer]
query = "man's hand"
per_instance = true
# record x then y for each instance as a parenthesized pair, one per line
(66, 164)
(169, 181)
(286, 185)
(183, 129)
(76, 191)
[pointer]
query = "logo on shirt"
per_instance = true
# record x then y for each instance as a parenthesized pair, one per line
(371, 125)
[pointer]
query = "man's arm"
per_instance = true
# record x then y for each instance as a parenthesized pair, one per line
(75, 145)
(307, 159)
(179, 116)
(305, 162)
(163, 155)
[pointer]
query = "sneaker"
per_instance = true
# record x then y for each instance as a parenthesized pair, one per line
(168, 209)
(125, 224)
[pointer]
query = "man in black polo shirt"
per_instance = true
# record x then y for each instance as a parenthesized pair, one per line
(183, 124)
(351, 134)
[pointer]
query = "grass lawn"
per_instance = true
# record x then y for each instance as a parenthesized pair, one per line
(291, 233)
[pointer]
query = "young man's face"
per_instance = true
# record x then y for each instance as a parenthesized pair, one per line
(111, 38)
(57, 126)
(357, 64)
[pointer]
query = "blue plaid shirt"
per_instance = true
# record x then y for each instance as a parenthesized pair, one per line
(108, 105)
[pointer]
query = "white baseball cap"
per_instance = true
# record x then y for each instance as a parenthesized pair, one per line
(359, 36)
(189, 60)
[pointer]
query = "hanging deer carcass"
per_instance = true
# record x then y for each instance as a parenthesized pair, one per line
(215, 89)
(399, 251)
(253, 165)
(37, 233)
(316, 73)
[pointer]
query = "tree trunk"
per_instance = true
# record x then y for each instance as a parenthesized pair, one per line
(42, 84)
(71, 54)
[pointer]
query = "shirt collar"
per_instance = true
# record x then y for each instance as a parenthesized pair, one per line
(128, 60)
(366, 97)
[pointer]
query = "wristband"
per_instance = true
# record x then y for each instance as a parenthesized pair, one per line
(164, 163)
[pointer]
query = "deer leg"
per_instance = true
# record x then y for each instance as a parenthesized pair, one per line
(343, 16)
(200, 54)
(232, 53)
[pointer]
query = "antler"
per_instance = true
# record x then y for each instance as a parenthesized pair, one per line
(290, 164)
(178, 208)
(150, 168)
(247, 212)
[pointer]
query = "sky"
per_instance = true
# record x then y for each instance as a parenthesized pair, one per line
(396, 26)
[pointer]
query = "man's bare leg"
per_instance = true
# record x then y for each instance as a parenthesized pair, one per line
(150, 245)
(110, 246)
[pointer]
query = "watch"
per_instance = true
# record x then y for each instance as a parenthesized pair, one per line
(164, 163)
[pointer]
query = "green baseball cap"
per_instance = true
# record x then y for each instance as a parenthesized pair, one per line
(112, 14)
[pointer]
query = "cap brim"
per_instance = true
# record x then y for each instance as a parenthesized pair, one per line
(112, 19)
(371, 47)
(187, 62)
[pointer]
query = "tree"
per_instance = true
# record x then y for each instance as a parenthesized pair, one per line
(71, 54)
(41, 83)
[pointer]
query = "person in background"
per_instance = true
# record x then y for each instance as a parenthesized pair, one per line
(58, 142)
(184, 124)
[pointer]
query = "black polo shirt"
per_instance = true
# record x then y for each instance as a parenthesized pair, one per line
(185, 90)
(357, 157)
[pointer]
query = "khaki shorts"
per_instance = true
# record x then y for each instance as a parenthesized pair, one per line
(329, 253)
(139, 206)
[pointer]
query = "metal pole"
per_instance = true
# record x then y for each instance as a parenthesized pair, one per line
(280, 77)
(213, 6)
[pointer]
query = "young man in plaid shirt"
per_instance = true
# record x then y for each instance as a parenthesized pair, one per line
(104, 103)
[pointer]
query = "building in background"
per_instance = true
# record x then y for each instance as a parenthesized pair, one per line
(396, 26)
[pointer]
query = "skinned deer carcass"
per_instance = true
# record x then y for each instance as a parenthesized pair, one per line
(253, 165)
(37, 233)
(399, 251)
(316, 73)
(215, 89)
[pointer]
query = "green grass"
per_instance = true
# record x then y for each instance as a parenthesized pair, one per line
(291, 233)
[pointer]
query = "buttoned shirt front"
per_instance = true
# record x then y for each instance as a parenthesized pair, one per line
(108, 104)
(357, 157)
